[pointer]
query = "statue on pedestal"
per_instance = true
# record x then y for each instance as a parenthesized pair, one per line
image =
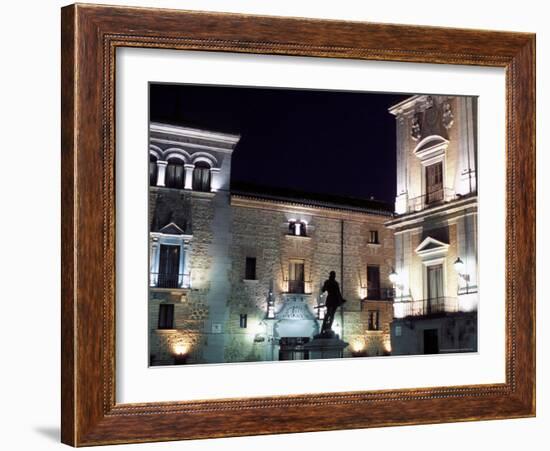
(333, 301)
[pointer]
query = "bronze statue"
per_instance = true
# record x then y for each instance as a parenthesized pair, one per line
(333, 301)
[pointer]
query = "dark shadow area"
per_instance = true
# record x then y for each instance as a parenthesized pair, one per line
(291, 139)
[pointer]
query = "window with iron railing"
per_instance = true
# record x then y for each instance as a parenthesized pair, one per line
(434, 183)
(373, 282)
(169, 266)
(430, 199)
(380, 294)
(425, 307)
(296, 279)
(170, 280)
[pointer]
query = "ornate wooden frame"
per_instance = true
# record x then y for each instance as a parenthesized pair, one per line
(90, 35)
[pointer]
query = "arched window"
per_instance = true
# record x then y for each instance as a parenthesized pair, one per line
(153, 170)
(297, 228)
(175, 174)
(201, 176)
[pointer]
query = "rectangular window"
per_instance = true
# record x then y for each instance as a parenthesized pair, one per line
(243, 319)
(169, 265)
(374, 320)
(373, 282)
(434, 182)
(296, 276)
(435, 281)
(250, 269)
(373, 237)
(436, 300)
(166, 316)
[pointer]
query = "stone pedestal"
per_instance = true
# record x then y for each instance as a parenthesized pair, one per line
(325, 347)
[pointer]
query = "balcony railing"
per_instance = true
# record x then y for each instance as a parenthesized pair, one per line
(163, 280)
(430, 199)
(379, 294)
(296, 286)
(426, 307)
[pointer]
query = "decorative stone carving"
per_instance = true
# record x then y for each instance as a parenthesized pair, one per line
(448, 118)
(429, 102)
(416, 132)
(432, 117)
(295, 309)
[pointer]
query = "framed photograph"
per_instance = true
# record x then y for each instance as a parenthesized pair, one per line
(278, 225)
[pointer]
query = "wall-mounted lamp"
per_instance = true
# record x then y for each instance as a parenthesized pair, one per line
(259, 338)
(459, 268)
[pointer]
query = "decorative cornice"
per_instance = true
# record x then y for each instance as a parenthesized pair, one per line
(343, 212)
(409, 220)
(173, 142)
(194, 133)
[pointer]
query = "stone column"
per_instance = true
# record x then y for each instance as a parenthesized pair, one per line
(154, 264)
(466, 157)
(161, 172)
(188, 175)
(187, 278)
(401, 154)
(214, 179)
(181, 281)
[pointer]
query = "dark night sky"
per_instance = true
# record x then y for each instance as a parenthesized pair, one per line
(332, 142)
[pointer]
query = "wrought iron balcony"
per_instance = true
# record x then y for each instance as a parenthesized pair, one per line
(425, 307)
(296, 286)
(168, 280)
(379, 294)
(430, 199)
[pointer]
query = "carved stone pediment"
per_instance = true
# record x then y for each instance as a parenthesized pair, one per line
(172, 229)
(432, 248)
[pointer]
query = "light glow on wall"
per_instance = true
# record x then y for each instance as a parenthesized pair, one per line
(398, 310)
(387, 345)
(180, 348)
(255, 328)
(467, 302)
(358, 345)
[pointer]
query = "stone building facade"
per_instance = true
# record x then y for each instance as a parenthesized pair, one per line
(236, 272)
(436, 272)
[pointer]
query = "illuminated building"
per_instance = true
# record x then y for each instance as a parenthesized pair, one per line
(235, 272)
(436, 272)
